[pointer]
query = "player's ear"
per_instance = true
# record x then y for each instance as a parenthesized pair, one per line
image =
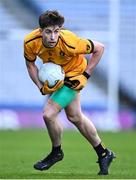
(62, 28)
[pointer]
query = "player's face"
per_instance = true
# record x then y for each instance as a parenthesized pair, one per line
(50, 36)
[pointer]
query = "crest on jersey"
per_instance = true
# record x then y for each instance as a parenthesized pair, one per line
(62, 54)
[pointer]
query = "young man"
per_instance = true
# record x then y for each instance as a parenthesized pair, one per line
(53, 44)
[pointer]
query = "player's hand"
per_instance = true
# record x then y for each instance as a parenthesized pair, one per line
(47, 90)
(80, 81)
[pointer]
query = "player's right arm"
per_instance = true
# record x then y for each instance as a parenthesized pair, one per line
(30, 57)
(33, 73)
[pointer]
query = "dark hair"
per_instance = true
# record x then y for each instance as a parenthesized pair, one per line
(51, 18)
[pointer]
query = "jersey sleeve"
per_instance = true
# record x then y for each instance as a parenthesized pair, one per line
(28, 53)
(84, 46)
(75, 44)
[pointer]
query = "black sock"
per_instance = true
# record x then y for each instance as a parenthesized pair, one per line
(56, 149)
(101, 151)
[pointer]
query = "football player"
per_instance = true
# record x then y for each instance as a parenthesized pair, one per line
(52, 43)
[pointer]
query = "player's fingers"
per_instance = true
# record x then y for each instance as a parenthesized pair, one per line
(59, 84)
(46, 83)
(79, 87)
(75, 83)
(72, 78)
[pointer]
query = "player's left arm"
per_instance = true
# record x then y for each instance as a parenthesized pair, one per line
(95, 57)
(80, 81)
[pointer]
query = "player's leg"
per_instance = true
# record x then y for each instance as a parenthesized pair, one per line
(50, 115)
(88, 130)
(105, 156)
(54, 127)
(57, 101)
(85, 126)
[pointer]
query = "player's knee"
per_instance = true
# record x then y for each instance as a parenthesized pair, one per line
(75, 119)
(48, 116)
(50, 112)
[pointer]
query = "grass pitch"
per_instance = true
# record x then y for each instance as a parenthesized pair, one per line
(19, 150)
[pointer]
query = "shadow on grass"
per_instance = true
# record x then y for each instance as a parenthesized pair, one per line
(50, 175)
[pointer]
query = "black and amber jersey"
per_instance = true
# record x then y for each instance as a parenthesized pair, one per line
(68, 52)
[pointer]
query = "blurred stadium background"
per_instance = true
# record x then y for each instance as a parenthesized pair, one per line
(110, 96)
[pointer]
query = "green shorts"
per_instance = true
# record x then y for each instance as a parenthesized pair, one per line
(63, 96)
